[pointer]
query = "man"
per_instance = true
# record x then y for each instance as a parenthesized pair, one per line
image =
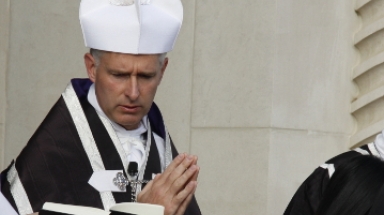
(101, 124)
(307, 198)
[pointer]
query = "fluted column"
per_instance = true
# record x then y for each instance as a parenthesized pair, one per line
(368, 106)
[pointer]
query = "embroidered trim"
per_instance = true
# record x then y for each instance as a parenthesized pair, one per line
(86, 137)
(108, 200)
(361, 151)
(145, 2)
(18, 192)
(121, 2)
(374, 151)
(168, 150)
(145, 160)
(128, 2)
(122, 154)
(115, 140)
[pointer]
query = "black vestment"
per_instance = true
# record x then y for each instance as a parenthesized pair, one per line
(307, 198)
(55, 167)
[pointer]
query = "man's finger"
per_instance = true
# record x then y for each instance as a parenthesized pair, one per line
(194, 178)
(196, 175)
(180, 183)
(172, 166)
(187, 194)
(180, 169)
(143, 195)
(196, 158)
(184, 205)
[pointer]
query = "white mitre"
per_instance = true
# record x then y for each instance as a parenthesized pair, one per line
(131, 26)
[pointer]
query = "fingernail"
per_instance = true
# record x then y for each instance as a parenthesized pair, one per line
(190, 157)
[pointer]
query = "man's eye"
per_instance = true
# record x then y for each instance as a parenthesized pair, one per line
(146, 76)
(118, 75)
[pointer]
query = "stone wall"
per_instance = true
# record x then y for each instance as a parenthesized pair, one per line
(4, 44)
(261, 90)
(266, 98)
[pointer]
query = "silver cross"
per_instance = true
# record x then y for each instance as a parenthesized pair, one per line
(121, 182)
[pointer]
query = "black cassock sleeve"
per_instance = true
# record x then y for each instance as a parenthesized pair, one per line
(307, 198)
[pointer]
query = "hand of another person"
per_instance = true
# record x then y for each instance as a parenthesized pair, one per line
(174, 188)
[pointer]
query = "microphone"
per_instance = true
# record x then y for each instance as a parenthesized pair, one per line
(133, 171)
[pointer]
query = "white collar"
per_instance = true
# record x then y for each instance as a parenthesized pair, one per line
(121, 131)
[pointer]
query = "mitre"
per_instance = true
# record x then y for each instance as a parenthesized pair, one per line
(131, 26)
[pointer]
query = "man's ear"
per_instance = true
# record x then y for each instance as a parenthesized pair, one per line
(163, 68)
(90, 65)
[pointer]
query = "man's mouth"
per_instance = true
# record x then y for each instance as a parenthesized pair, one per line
(130, 108)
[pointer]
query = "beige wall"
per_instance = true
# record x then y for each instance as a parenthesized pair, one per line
(4, 44)
(46, 50)
(261, 90)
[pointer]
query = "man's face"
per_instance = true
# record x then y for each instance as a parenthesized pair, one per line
(125, 85)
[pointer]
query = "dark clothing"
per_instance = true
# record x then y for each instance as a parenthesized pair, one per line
(54, 166)
(307, 198)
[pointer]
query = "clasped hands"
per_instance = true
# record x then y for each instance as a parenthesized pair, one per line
(175, 187)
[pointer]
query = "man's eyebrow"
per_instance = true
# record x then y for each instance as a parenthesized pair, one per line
(117, 71)
(148, 72)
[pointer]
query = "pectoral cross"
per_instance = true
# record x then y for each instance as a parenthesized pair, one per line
(122, 182)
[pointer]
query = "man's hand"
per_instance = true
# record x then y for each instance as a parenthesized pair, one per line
(174, 188)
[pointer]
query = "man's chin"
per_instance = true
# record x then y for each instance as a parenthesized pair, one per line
(130, 125)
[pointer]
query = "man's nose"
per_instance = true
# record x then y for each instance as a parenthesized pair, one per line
(132, 89)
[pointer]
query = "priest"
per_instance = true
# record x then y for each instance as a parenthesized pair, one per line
(309, 195)
(101, 124)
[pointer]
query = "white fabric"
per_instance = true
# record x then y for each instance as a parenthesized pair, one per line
(145, 27)
(6, 208)
(86, 137)
(330, 167)
(361, 151)
(373, 150)
(102, 181)
(122, 2)
(124, 208)
(132, 140)
(18, 192)
(379, 144)
(115, 139)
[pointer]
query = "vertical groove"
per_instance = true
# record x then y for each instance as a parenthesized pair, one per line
(192, 77)
(4, 52)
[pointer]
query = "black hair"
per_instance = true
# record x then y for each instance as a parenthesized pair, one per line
(353, 187)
